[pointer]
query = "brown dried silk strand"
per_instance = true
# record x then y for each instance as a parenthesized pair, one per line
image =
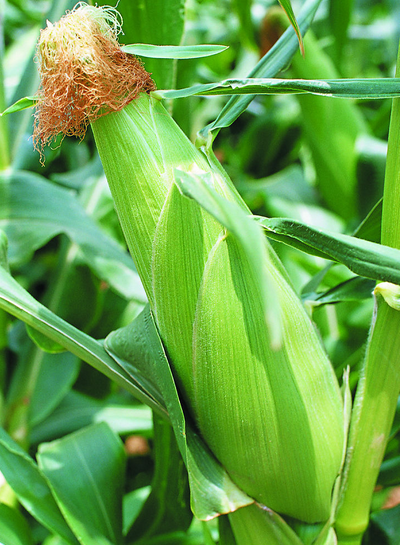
(84, 75)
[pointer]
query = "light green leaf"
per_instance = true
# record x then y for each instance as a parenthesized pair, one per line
(32, 211)
(368, 88)
(354, 289)
(91, 500)
(43, 342)
(212, 491)
(77, 411)
(174, 51)
(14, 529)
(31, 487)
(18, 302)
(21, 104)
(360, 256)
(256, 526)
(251, 240)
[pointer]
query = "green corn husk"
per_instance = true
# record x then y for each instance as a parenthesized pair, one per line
(274, 418)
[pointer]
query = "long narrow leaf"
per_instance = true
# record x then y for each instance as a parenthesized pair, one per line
(287, 6)
(364, 258)
(377, 88)
(173, 51)
(273, 62)
(18, 302)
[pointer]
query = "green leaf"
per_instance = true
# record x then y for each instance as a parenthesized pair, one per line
(212, 491)
(18, 302)
(360, 256)
(174, 51)
(86, 472)
(354, 289)
(273, 62)
(286, 5)
(21, 104)
(389, 474)
(387, 521)
(33, 211)
(31, 487)
(233, 218)
(369, 88)
(3, 250)
(14, 529)
(156, 22)
(77, 411)
(43, 342)
(56, 376)
(167, 508)
(132, 504)
(256, 526)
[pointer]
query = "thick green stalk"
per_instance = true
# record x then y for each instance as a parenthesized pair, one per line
(378, 390)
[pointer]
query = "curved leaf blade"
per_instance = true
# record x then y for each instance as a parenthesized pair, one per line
(286, 5)
(212, 491)
(18, 302)
(32, 211)
(91, 501)
(21, 104)
(273, 62)
(173, 51)
(29, 484)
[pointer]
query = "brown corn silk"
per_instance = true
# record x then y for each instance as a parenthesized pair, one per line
(84, 74)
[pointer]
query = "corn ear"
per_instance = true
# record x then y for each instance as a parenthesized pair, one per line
(273, 417)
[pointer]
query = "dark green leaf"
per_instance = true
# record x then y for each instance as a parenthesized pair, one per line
(377, 88)
(388, 521)
(212, 491)
(360, 256)
(389, 474)
(31, 487)
(167, 508)
(14, 529)
(354, 289)
(86, 472)
(173, 51)
(370, 227)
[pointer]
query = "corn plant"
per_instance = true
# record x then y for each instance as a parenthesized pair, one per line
(260, 431)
